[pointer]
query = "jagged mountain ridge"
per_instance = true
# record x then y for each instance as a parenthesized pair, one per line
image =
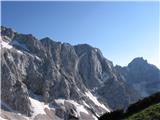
(62, 75)
(142, 76)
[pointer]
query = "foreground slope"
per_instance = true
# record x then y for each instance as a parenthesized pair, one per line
(145, 109)
(150, 113)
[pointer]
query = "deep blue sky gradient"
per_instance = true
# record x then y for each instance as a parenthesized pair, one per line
(121, 30)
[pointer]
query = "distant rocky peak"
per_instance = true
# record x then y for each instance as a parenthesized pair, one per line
(138, 61)
(46, 39)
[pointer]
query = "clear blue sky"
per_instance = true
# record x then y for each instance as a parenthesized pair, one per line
(121, 30)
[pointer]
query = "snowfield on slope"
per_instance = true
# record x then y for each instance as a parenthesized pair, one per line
(94, 99)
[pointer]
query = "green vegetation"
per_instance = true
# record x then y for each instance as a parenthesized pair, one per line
(150, 113)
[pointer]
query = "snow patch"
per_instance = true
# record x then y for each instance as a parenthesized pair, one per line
(6, 45)
(38, 107)
(2, 118)
(94, 99)
(79, 108)
(59, 101)
(18, 51)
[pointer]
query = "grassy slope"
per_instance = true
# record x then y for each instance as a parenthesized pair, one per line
(150, 113)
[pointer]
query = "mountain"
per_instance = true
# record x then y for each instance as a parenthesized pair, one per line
(142, 76)
(45, 79)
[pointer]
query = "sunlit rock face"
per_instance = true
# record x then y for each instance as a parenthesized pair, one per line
(47, 69)
(65, 81)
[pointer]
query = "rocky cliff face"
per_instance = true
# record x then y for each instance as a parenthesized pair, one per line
(142, 76)
(44, 79)
(46, 71)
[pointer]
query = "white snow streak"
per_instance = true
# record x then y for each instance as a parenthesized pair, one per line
(38, 58)
(94, 99)
(94, 117)
(6, 45)
(79, 108)
(86, 104)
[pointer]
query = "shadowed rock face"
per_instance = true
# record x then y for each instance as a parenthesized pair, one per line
(55, 70)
